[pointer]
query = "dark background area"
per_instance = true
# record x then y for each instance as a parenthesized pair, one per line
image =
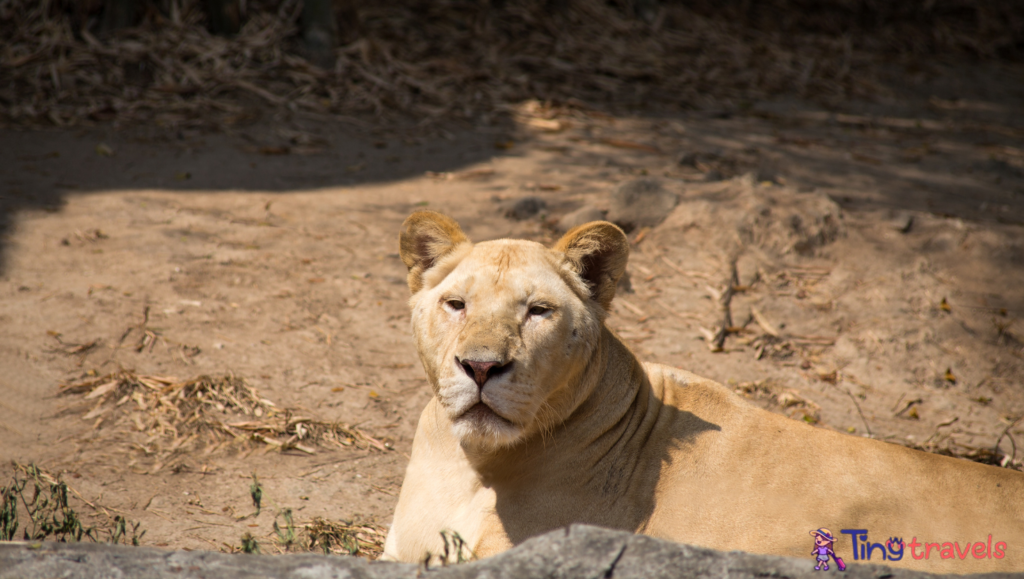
(364, 80)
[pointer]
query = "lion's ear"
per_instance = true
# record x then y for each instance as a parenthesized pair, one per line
(598, 252)
(427, 236)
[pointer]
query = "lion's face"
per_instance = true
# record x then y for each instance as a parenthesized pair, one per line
(499, 336)
(504, 328)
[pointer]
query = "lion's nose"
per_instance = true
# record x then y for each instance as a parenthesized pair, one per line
(480, 372)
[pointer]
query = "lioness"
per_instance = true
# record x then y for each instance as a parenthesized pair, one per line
(542, 417)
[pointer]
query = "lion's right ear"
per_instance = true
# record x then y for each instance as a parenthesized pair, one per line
(598, 252)
(427, 236)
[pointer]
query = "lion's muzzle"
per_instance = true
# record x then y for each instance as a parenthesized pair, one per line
(483, 370)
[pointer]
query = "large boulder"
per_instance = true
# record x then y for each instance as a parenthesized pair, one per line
(578, 551)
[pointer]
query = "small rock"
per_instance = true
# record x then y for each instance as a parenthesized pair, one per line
(902, 222)
(584, 214)
(687, 159)
(640, 203)
(524, 208)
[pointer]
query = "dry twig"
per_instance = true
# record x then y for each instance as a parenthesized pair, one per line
(717, 343)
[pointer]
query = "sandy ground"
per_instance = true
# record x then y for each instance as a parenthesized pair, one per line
(882, 243)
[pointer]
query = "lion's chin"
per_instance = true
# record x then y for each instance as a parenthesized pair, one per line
(481, 426)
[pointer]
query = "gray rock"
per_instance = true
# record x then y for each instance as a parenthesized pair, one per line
(524, 208)
(584, 214)
(640, 203)
(577, 551)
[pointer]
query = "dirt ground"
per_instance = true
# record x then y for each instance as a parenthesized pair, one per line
(879, 248)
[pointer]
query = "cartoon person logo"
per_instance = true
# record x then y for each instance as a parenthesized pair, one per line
(823, 541)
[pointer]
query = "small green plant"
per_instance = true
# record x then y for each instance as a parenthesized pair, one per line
(249, 544)
(256, 492)
(285, 537)
(455, 547)
(119, 533)
(8, 513)
(45, 500)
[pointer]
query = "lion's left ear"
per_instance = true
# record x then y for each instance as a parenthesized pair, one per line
(427, 236)
(598, 251)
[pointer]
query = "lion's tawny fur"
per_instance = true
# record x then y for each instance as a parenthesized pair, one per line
(576, 429)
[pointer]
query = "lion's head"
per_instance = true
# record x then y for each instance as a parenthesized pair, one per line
(505, 329)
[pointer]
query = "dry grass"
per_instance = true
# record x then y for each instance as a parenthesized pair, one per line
(941, 442)
(774, 396)
(346, 538)
(432, 60)
(166, 418)
(777, 397)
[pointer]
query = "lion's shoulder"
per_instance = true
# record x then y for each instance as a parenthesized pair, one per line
(689, 396)
(669, 382)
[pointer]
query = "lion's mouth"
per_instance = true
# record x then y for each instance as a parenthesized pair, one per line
(481, 412)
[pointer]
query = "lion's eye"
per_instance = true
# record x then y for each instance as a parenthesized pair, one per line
(456, 304)
(539, 310)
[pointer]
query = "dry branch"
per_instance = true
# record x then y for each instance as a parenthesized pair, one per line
(717, 343)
